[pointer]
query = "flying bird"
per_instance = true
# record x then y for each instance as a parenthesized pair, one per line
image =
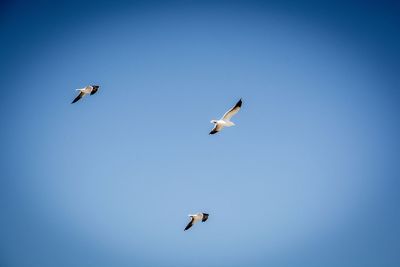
(196, 218)
(90, 89)
(225, 121)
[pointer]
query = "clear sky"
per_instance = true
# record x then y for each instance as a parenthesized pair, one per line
(308, 177)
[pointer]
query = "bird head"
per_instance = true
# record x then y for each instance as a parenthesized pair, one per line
(213, 121)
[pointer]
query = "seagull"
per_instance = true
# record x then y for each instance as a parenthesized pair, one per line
(90, 89)
(196, 218)
(226, 119)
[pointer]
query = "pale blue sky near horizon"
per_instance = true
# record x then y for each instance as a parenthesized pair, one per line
(308, 177)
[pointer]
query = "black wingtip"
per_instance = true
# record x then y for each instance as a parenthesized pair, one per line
(239, 103)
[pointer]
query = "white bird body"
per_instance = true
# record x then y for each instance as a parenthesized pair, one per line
(86, 90)
(225, 121)
(196, 217)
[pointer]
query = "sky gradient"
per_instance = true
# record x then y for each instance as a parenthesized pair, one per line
(308, 177)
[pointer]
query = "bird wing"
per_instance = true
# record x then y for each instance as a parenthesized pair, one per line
(190, 224)
(81, 94)
(216, 128)
(94, 90)
(229, 114)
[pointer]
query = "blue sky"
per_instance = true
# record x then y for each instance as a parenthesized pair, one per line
(308, 177)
